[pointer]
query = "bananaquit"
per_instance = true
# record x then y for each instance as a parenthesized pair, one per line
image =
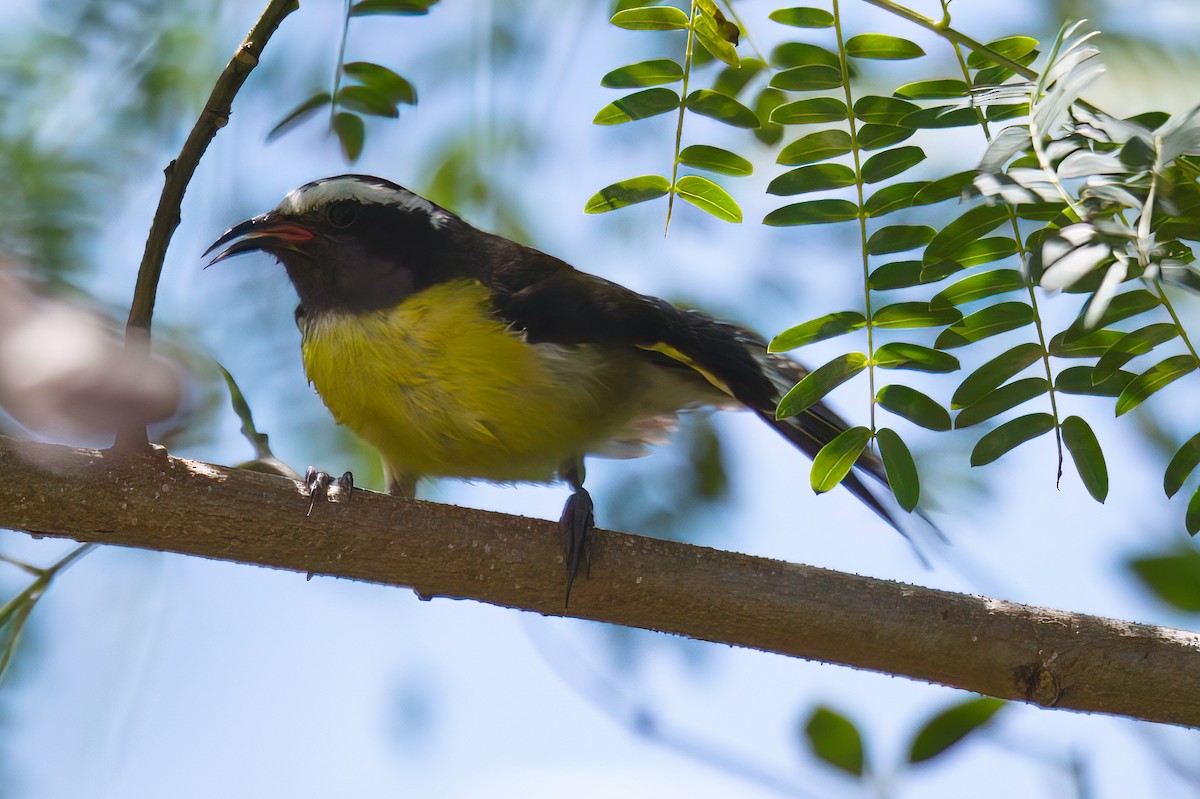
(459, 353)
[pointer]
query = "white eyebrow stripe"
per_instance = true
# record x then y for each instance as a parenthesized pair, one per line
(321, 193)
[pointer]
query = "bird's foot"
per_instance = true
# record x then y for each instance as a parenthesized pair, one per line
(321, 485)
(577, 525)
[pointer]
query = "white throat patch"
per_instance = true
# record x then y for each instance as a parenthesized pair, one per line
(321, 193)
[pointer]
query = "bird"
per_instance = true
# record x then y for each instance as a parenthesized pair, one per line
(459, 353)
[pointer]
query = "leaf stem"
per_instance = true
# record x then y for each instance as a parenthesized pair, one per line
(687, 72)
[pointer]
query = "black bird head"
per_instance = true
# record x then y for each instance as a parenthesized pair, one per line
(357, 242)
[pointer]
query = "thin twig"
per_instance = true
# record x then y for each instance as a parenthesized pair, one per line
(179, 173)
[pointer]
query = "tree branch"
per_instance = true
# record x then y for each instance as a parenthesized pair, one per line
(1047, 657)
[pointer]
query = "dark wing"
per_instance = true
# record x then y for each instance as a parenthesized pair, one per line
(553, 302)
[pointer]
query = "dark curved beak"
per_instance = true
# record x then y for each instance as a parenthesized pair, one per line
(268, 231)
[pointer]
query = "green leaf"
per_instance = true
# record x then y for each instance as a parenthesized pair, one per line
(1002, 399)
(644, 73)
(893, 198)
(708, 197)
(977, 287)
(834, 460)
(875, 137)
(939, 270)
(932, 90)
(899, 238)
(1182, 465)
(914, 406)
(815, 147)
(1156, 377)
(1174, 578)
(950, 187)
(914, 314)
(803, 17)
(365, 100)
(819, 382)
(965, 229)
(391, 7)
(1123, 306)
(306, 109)
(714, 159)
(651, 18)
(1093, 345)
(721, 107)
(802, 54)
(986, 322)
(767, 131)
(811, 111)
(627, 192)
(888, 111)
(817, 177)
(639, 105)
(819, 329)
(984, 251)
(952, 725)
(1013, 47)
(901, 355)
(834, 739)
(811, 78)
(1191, 520)
(882, 47)
(941, 117)
(717, 37)
(900, 469)
(896, 275)
(994, 374)
(1009, 435)
(351, 133)
(1089, 458)
(890, 163)
(1079, 380)
(1131, 345)
(812, 212)
(732, 80)
(395, 88)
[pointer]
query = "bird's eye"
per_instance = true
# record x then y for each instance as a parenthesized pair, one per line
(342, 215)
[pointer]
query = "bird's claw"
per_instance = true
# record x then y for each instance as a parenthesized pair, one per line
(577, 524)
(321, 485)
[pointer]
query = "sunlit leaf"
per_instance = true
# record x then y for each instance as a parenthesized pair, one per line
(1184, 462)
(812, 212)
(950, 187)
(651, 18)
(883, 47)
(1156, 377)
(977, 287)
(983, 251)
(819, 329)
(800, 54)
(965, 229)
(814, 77)
(718, 37)
(1010, 435)
(810, 111)
(803, 17)
(817, 177)
(902, 355)
(914, 314)
(933, 90)
(1012, 47)
(816, 147)
(1092, 345)
(721, 107)
(639, 105)
(1002, 399)
(995, 373)
(834, 460)
(899, 238)
(1131, 345)
(900, 469)
(914, 406)
(952, 725)
(708, 197)
(819, 382)
(1089, 458)
(644, 73)
(714, 159)
(895, 275)
(986, 322)
(834, 739)
(627, 192)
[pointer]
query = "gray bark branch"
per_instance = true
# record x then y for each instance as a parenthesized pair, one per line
(1046, 657)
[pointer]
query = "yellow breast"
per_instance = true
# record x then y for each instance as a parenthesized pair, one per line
(441, 388)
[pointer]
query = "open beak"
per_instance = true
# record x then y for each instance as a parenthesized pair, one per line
(267, 231)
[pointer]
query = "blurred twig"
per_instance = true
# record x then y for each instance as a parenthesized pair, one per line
(179, 173)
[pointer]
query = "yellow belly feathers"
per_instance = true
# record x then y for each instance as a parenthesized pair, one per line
(441, 388)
